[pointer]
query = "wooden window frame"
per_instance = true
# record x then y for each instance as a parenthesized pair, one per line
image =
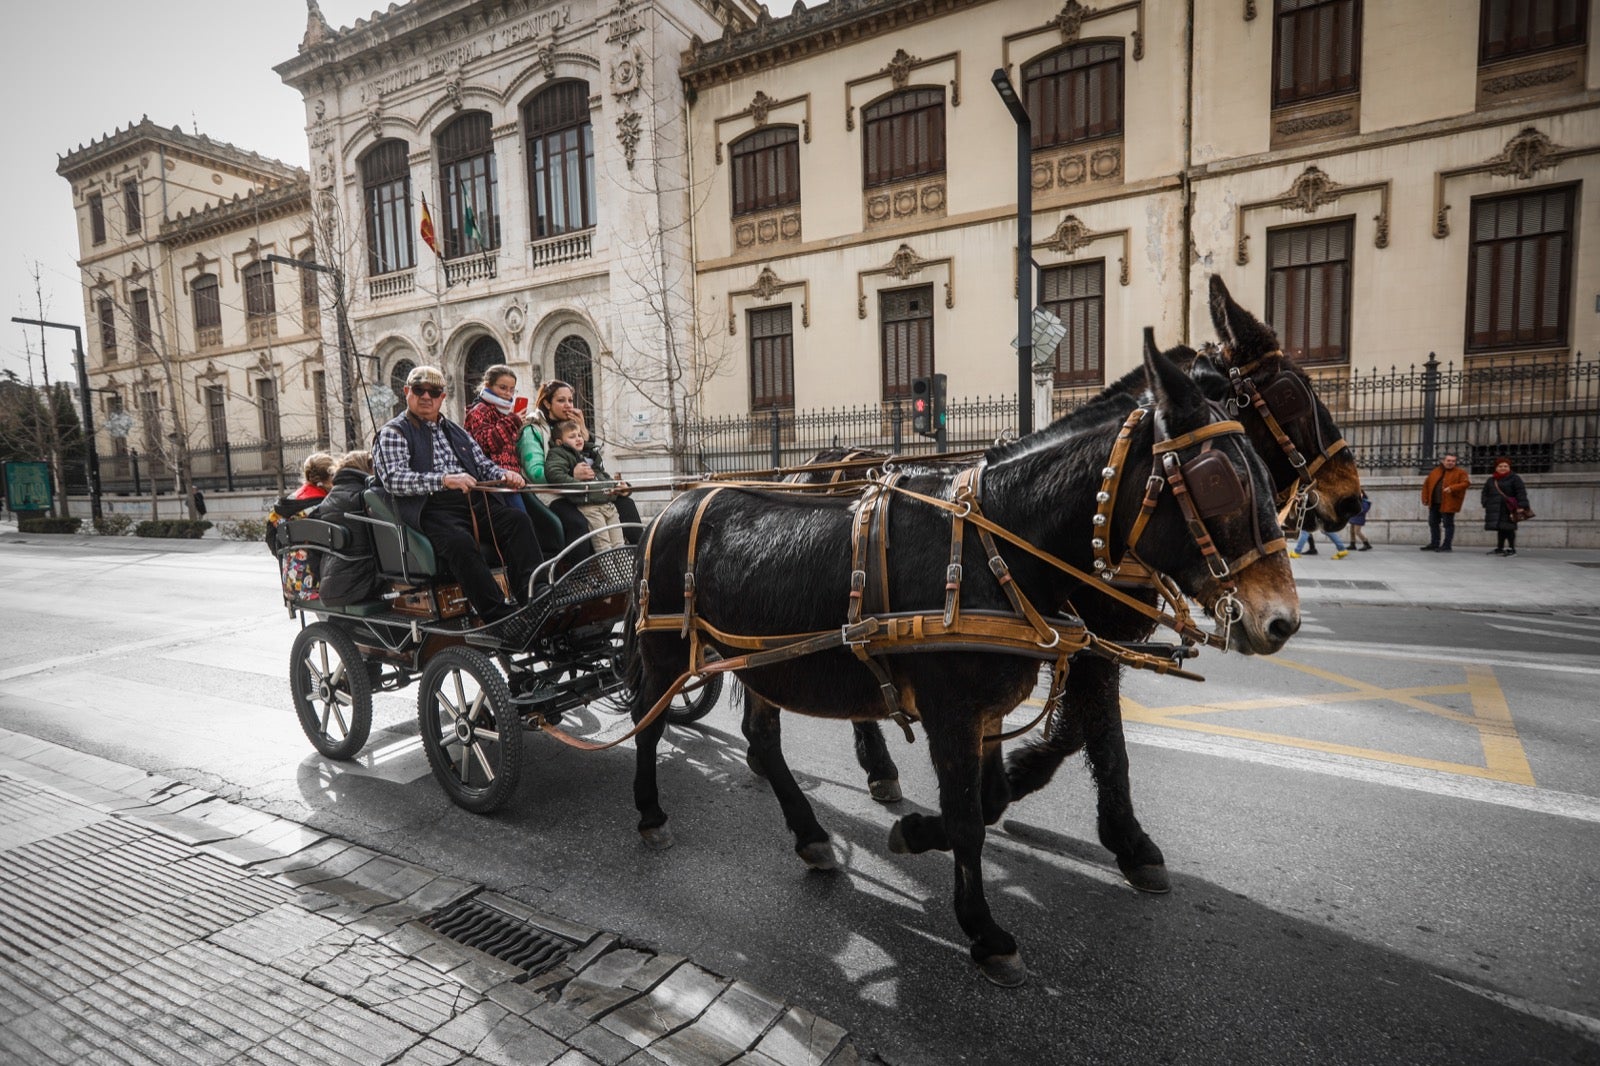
(132, 207)
(1050, 94)
(260, 299)
(467, 164)
(217, 415)
(97, 218)
(888, 324)
(764, 169)
(267, 405)
(1302, 12)
(771, 354)
(106, 309)
(889, 133)
(1577, 32)
(1066, 377)
(386, 196)
(566, 129)
(1294, 272)
(1564, 311)
(143, 323)
(207, 308)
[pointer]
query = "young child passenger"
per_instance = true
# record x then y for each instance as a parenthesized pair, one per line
(566, 454)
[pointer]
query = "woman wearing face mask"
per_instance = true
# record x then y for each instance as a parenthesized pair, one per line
(558, 402)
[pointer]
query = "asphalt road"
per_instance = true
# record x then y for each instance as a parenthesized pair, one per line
(1384, 842)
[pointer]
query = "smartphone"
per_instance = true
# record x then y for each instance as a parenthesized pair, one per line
(519, 405)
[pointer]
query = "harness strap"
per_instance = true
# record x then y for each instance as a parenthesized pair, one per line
(966, 494)
(869, 526)
(1106, 498)
(688, 567)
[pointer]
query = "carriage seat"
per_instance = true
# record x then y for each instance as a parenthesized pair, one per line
(402, 551)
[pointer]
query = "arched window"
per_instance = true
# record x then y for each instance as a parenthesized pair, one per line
(484, 353)
(575, 366)
(1075, 94)
(902, 136)
(386, 181)
(207, 311)
(468, 209)
(397, 382)
(560, 159)
(766, 169)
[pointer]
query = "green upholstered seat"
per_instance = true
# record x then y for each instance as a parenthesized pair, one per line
(402, 551)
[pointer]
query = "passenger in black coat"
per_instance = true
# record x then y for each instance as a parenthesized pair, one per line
(347, 581)
(1503, 494)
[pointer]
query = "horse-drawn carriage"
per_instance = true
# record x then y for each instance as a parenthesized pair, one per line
(479, 688)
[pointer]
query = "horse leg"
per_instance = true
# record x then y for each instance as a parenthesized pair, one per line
(956, 752)
(763, 732)
(883, 776)
(916, 833)
(652, 684)
(1140, 860)
(1031, 767)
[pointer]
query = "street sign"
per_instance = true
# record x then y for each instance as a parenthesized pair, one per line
(1048, 331)
(28, 486)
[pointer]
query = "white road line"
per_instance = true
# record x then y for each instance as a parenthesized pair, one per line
(1501, 793)
(1545, 633)
(167, 641)
(1535, 619)
(1581, 1024)
(1533, 661)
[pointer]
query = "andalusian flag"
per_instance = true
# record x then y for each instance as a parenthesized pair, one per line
(428, 237)
(469, 217)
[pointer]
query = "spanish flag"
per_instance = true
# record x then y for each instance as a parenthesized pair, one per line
(428, 237)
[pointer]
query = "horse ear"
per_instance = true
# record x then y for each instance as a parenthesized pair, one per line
(1244, 333)
(1180, 404)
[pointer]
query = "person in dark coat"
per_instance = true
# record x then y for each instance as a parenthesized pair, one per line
(347, 581)
(1503, 496)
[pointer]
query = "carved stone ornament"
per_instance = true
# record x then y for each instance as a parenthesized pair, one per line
(546, 58)
(1525, 155)
(1530, 79)
(627, 74)
(905, 263)
(375, 118)
(319, 109)
(624, 24)
(1071, 235)
(1069, 20)
(1327, 120)
(628, 133)
(767, 285)
(430, 334)
(1311, 190)
(899, 68)
(759, 106)
(452, 88)
(516, 317)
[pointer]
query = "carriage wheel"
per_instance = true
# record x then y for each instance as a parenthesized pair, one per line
(689, 707)
(332, 690)
(472, 734)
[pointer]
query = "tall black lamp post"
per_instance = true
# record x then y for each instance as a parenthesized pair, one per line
(92, 454)
(344, 338)
(1019, 114)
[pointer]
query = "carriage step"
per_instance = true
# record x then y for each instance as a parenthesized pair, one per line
(496, 931)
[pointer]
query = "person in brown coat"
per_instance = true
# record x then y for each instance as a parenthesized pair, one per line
(1443, 492)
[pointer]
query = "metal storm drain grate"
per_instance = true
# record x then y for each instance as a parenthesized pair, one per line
(494, 932)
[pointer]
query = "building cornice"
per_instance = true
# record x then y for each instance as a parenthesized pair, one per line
(241, 212)
(144, 135)
(773, 42)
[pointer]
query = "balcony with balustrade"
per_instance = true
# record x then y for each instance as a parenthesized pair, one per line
(567, 248)
(398, 283)
(477, 267)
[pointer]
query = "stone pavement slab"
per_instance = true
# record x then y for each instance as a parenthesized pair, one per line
(144, 921)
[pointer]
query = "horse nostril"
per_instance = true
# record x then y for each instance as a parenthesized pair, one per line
(1281, 629)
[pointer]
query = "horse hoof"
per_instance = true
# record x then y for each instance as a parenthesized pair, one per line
(1007, 971)
(755, 766)
(897, 840)
(818, 856)
(1150, 878)
(885, 791)
(657, 838)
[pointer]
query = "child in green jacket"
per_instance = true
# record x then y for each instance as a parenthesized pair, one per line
(566, 452)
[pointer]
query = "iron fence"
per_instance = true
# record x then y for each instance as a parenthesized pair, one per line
(243, 465)
(1542, 414)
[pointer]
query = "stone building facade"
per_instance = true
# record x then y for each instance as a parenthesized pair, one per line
(1380, 180)
(560, 127)
(201, 352)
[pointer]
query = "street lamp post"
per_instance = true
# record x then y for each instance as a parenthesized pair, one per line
(1019, 114)
(92, 454)
(344, 338)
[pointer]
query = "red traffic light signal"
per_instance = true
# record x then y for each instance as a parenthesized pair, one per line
(921, 406)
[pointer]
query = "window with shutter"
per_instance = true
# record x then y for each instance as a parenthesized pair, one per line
(97, 218)
(1308, 290)
(143, 337)
(766, 169)
(1076, 294)
(132, 209)
(1316, 49)
(1508, 28)
(1075, 94)
(108, 329)
(1520, 278)
(259, 299)
(906, 317)
(207, 303)
(217, 415)
(772, 358)
(902, 136)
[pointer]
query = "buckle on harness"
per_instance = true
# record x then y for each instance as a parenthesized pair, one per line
(844, 636)
(952, 576)
(1218, 567)
(688, 583)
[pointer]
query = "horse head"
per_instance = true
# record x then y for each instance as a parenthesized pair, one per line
(1273, 398)
(1225, 546)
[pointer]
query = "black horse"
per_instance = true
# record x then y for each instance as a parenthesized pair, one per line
(770, 563)
(1090, 719)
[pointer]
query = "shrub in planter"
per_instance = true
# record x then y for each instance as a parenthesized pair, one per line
(48, 524)
(244, 529)
(114, 525)
(181, 528)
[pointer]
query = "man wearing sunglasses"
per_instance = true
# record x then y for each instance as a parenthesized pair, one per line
(429, 465)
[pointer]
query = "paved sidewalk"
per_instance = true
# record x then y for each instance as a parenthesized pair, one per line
(144, 921)
(1538, 579)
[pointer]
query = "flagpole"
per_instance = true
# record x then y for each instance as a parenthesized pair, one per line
(439, 280)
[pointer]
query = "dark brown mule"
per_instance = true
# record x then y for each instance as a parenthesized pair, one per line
(770, 564)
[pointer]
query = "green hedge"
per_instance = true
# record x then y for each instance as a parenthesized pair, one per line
(244, 529)
(176, 528)
(114, 525)
(48, 524)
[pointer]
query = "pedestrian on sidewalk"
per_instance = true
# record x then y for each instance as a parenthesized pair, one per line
(1339, 550)
(1504, 498)
(1358, 525)
(1444, 491)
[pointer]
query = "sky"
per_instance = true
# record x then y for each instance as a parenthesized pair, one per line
(78, 69)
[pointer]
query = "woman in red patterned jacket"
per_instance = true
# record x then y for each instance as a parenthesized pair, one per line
(494, 423)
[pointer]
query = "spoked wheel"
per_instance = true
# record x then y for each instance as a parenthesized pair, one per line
(472, 734)
(694, 705)
(332, 690)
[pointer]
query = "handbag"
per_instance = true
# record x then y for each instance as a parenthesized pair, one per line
(1513, 510)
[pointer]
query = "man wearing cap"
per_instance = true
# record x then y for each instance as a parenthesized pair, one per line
(429, 465)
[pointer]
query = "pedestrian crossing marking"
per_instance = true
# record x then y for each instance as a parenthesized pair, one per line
(1504, 757)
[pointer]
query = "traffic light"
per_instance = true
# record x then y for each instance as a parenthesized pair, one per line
(928, 416)
(940, 418)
